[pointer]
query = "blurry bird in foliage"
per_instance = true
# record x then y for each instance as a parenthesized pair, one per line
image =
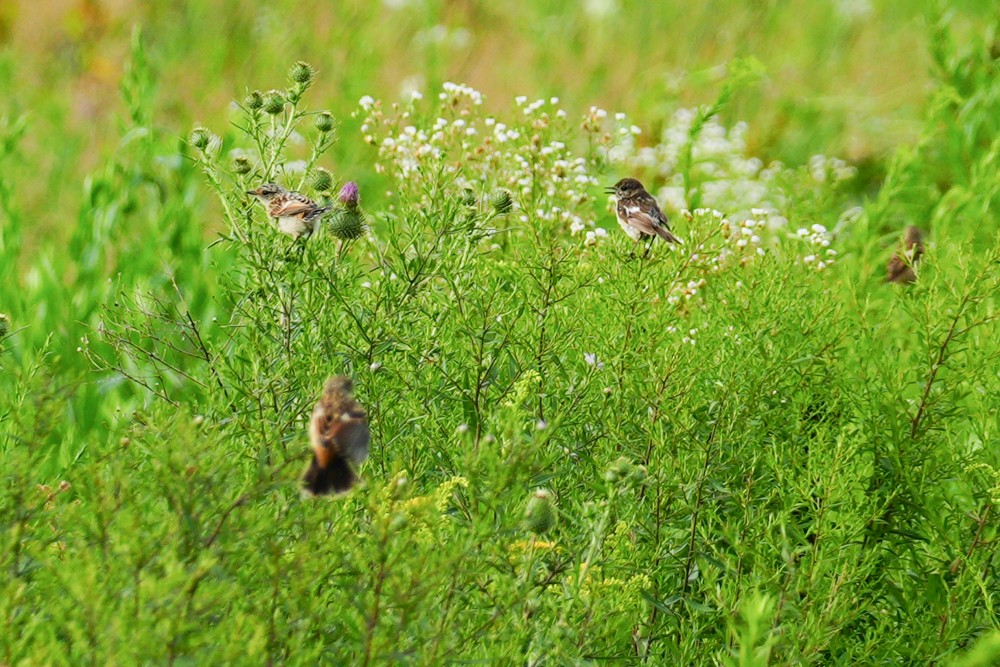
(339, 435)
(900, 268)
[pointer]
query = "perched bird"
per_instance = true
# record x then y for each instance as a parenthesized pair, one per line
(900, 268)
(638, 213)
(297, 215)
(339, 435)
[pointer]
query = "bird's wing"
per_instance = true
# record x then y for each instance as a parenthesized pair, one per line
(292, 207)
(644, 218)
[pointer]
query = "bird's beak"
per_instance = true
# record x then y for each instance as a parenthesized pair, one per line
(610, 190)
(253, 192)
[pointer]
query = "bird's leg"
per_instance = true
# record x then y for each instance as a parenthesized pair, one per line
(649, 247)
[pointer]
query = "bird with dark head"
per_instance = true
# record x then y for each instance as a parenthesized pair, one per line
(904, 261)
(297, 215)
(638, 213)
(339, 435)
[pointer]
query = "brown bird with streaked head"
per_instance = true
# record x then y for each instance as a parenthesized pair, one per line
(339, 435)
(638, 213)
(900, 268)
(297, 215)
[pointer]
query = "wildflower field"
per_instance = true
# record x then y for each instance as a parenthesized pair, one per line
(746, 449)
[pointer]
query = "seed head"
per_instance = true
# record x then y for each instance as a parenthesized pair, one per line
(274, 103)
(349, 195)
(241, 165)
(540, 512)
(502, 201)
(254, 100)
(301, 72)
(324, 122)
(322, 180)
(199, 138)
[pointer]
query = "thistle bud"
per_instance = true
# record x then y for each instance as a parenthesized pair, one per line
(254, 100)
(301, 72)
(324, 122)
(624, 472)
(4, 325)
(468, 197)
(199, 138)
(540, 512)
(349, 195)
(502, 201)
(274, 103)
(347, 223)
(322, 180)
(241, 165)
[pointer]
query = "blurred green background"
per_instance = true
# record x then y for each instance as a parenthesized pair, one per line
(843, 77)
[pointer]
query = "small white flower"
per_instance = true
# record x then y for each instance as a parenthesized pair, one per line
(541, 425)
(374, 366)
(463, 428)
(366, 102)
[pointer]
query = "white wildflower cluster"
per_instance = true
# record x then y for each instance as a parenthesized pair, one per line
(825, 169)
(742, 239)
(710, 166)
(817, 252)
(528, 152)
(724, 176)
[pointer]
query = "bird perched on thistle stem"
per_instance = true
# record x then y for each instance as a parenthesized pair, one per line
(901, 266)
(297, 215)
(339, 435)
(638, 213)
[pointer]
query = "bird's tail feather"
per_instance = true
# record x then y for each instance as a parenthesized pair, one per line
(336, 477)
(668, 236)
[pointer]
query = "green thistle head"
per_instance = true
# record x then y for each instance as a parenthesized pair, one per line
(302, 72)
(199, 138)
(324, 122)
(347, 223)
(254, 100)
(503, 202)
(540, 512)
(274, 103)
(322, 180)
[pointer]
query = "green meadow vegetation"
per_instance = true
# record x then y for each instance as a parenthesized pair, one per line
(747, 450)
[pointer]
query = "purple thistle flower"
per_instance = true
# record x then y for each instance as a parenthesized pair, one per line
(349, 196)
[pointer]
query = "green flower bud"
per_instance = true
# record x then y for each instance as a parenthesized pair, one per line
(618, 471)
(241, 165)
(502, 201)
(274, 103)
(347, 223)
(4, 325)
(254, 100)
(199, 138)
(540, 512)
(623, 471)
(324, 122)
(468, 197)
(322, 180)
(301, 72)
